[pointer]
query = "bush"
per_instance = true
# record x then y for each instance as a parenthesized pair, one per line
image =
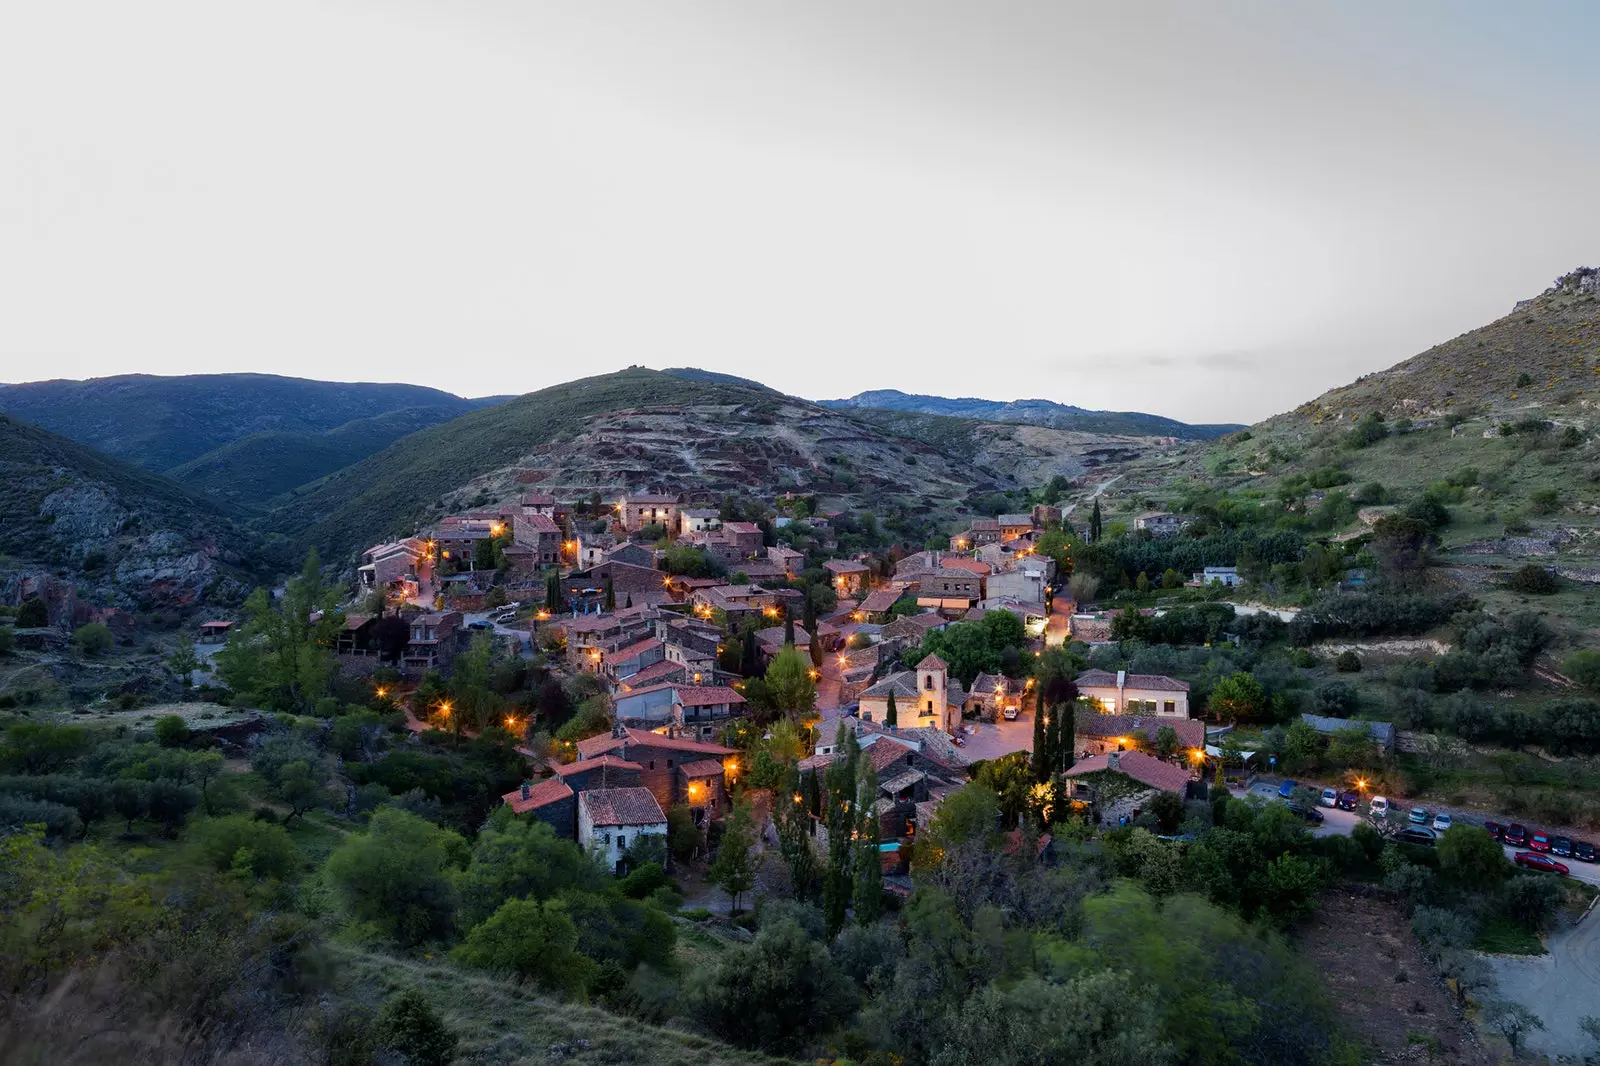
(93, 638)
(172, 731)
(1583, 667)
(410, 1026)
(1534, 580)
(1347, 662)
(245, 845)
(33, 614)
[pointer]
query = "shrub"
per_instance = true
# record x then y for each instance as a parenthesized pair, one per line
(93, 638)
(243, 844)
(1533, 579)
(410, 1026)
(172, 731)
(1347, 662)
(1583, 667)
(33, 614)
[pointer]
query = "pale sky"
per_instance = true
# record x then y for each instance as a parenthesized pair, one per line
(1209, 211)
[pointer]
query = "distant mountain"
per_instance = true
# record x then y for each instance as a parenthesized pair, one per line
(123, 535)
(253, 470)
(1038, 413)
(163, 422)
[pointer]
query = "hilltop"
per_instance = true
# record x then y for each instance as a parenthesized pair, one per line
(1035, 412)
(121, 533)
(163, 422)
(701, 436)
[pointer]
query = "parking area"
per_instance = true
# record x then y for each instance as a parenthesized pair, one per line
(990, 740)
(1560, 987)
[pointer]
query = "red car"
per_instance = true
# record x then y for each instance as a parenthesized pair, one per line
(1539, 842)
(1543, 863)
(1516, 835)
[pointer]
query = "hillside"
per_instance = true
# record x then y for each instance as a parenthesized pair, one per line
(162, 422)
(1517, 466)
(1036, 412)
(254, 469)
(126, 536)
(645, 429)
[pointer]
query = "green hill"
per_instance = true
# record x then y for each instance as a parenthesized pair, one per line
(162, 422)
(646, 429)
(115, 529)
(253, 470)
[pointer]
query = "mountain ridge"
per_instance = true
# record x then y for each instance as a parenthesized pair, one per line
(1036, 412)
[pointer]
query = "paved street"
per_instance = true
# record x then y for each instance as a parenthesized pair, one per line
(1001, 738)
(1560, 987)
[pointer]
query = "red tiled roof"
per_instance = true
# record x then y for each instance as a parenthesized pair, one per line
(844, 566)
(933, 662)
(701, 768)
(1191, 731)
(883, 751)
(622, 806)
(648, 644)
(741, 527)
(542, 794)
(540, 523)
(605, 742)
(880, 600)
(701, 696)
(959, 563)
(651, 674)
(1145, 769)
(1156, 682)
(611, 761)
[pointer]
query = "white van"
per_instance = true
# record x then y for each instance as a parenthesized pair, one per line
(1379, 808)
(1330, 797)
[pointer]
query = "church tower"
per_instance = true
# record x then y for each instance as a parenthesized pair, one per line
(933, 686)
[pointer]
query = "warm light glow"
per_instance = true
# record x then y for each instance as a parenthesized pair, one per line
(1197, 755)
(797, 797)
(1360, 783)
(731, 766)
(382, 692)
(511, 723)
(444, 710)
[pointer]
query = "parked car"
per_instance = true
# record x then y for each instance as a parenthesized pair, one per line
(1539, 842)
(1348, 801)
(1495, 830)
(1442, 821)
(1310, 814)
(1286, 789)
(1542, 863)
(1516, 835)
(1583, 851)
(1561, 846)
(957, 741)
(1379, 809)
(1330, 797)
(1416, 835)
(1009, 714)
(480, 626)
(1418, 816)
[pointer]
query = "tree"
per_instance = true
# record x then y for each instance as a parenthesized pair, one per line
(552, 593)
(533, 941)
(300, 788)
(1472, 858)
(1511, 1020)
(282, 656)
(1094, 522)
(409, 1025)
(1584, 668)
(891, 716)
(1166, 741)
(243, 844)
(793, 822)
(474, 700)
(1302, 747)
(1042, 756)
(33, 614)
(1142, 583)
(130, 799)
(93, 639)
(1237, 696)
(789, 684)
(172, 731)
(734, 871)
(183, 661)
(611, 595)
(1167, 807)
(773, 994)
(522, 858)
(398, 876)
(869, 865)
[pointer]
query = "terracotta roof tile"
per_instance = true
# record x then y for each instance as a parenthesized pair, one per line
(622, 806)
(1145, 769)
(546, 792)
(582, 765)
(1155, 682)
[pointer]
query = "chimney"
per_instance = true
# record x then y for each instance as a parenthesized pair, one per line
(1122, 681)
(1113, 760)
(527, 790)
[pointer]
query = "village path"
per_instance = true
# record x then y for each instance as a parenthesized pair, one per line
(1098, 489)
(1560, 987)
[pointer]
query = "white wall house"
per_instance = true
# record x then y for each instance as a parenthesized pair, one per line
(611, 820)
(1142, 694)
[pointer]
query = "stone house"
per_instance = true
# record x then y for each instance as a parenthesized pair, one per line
(1162, 524)
(433, 642)
(1014, 526)
(612, 820)
(540, 533)
(661, 757)
(927, 696)
(745, 537)
(698, 519)
(1095, 734)
(848, 575)
(789, 560)
(636, 510)
(552, 801)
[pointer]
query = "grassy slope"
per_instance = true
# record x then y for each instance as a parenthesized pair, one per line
(388, 491)
(506, 1024)
(259, 467)
(162, 422)
(1034, 412)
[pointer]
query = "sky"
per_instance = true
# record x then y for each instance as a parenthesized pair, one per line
(1208, 211)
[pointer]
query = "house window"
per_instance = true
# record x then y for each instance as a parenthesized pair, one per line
(669, 764)
(608, 840)
(927, 682)
(652, 764)
(1170, 707)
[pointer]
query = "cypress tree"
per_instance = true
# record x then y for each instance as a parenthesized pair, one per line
(552, 592)
(788, 629)
(611, 595)
(891, 717)
(816, 651)
(1041, 742)
(750, 660)
(1094, 521)
(813, 796)
(869, 866)
(1065, 725)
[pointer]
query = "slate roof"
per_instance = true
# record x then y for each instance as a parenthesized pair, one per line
(774, 636)
(901, 782)
(1107, 679)
(701, 768)
(593, 746)
(880, 600)
(622, 806)
(633, 650)
(844, 566)
(654, 673)
(1145, 769)
(706, 695)
(1382, 732)
(539, 523)
(551, 790)
(901, 683)
(1016, 520)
